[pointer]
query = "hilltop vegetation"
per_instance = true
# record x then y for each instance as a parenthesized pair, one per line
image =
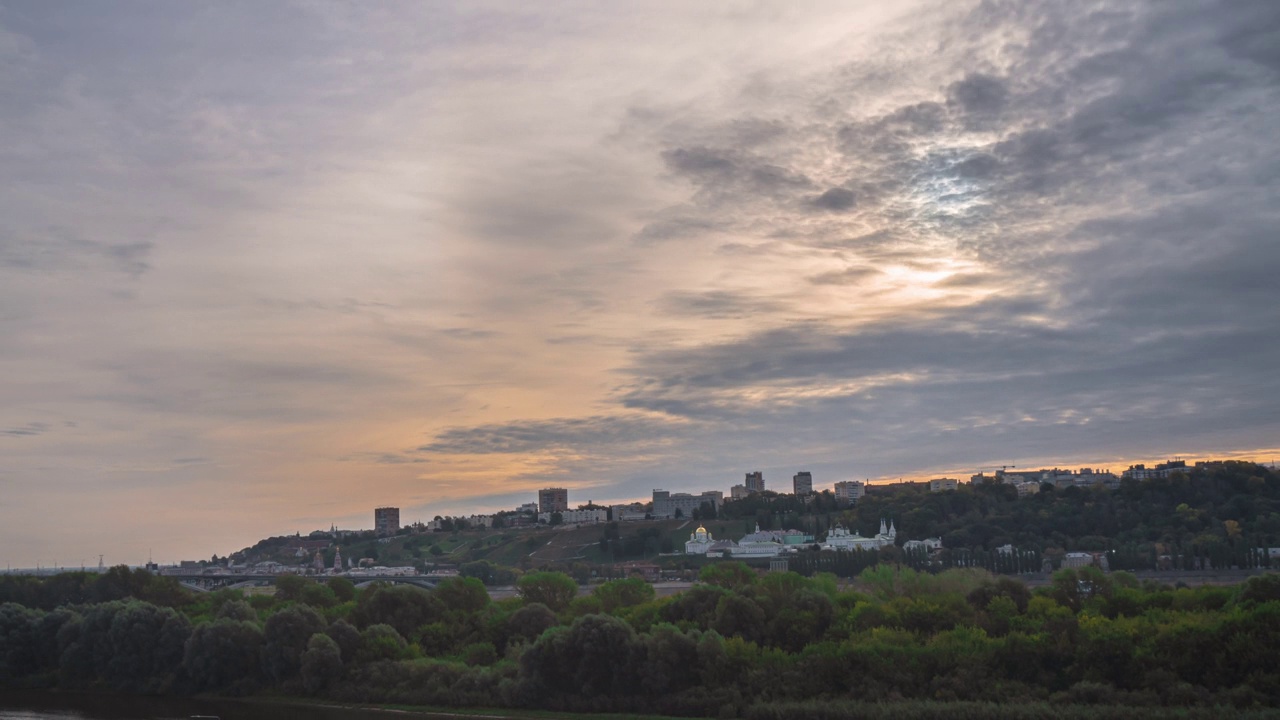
(1209, 517)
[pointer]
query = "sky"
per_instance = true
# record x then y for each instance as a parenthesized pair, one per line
(265, 266)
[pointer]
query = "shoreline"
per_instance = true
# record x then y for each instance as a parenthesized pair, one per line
(91, 702)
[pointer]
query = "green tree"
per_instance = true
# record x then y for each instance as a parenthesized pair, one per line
(593, 658)
(18, 653)
(237, 610)
(343, 589)
(403, 607)
(530, 621)
(289, 587)
(145, 645)
(553, 589)
(321, 663)
(284, 639)
(617, 594)
(223, 653)
(463, 595)
(729, 575)
(347, 638)
(381, 642)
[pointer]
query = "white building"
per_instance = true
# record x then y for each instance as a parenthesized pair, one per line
(577, 517)
(839, 538)
(758, 544)
(700, 541)
(942, 484)
(848, 492)
(929, 544)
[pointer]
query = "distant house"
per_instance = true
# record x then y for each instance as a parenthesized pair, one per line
(645, 571)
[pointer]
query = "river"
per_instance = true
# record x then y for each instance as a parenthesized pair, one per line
(71, 706)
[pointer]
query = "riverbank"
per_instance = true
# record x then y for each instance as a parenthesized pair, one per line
(115, 706)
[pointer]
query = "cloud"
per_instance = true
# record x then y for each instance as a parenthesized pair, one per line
(719, 304)
(836, 199)
(648, 249)
(31, 429)
(595, 434)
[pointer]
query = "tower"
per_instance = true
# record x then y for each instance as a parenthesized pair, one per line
(386, 520)
(802, 483)
(553, 500)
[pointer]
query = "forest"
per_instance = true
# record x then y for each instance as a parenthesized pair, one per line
(959, 643)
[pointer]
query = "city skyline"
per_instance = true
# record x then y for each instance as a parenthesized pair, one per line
(266, 267)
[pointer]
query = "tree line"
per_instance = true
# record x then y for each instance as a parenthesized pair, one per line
(738, 644)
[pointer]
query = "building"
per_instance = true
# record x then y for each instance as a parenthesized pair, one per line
(700, 541)
(929, 544)
(755, 482)
(758, 544)
(645, 571)
(941, 484)
(628, 512)
(1085, 559)
(577, 517)
(1057, 477)
(665, 504)
(839, 538)
(848, 491)
(738, 492)
(802, 483)
(386, 520)
(1026, 488)
(1159, 472)
(553, 500)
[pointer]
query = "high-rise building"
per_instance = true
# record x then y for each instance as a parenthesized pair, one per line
(802, 483)
(553, 500)
(848, 491)
(755, 482)
(666, 504)
(386, 520)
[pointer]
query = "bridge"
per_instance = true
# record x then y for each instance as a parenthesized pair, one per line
(204, 583)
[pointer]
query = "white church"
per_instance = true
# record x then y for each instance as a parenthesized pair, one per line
(771, 543)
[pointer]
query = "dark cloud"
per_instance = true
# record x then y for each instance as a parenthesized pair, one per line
(836, 199)
(849, 276)
(29, 430)
(1113, 186)
(595, 434)
(465, 333)
(980, 98)
(723, 175)
(60, 249)
(718, 304)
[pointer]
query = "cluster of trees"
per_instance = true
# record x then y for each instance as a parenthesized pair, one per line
(1215, 516)
(737, 644)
